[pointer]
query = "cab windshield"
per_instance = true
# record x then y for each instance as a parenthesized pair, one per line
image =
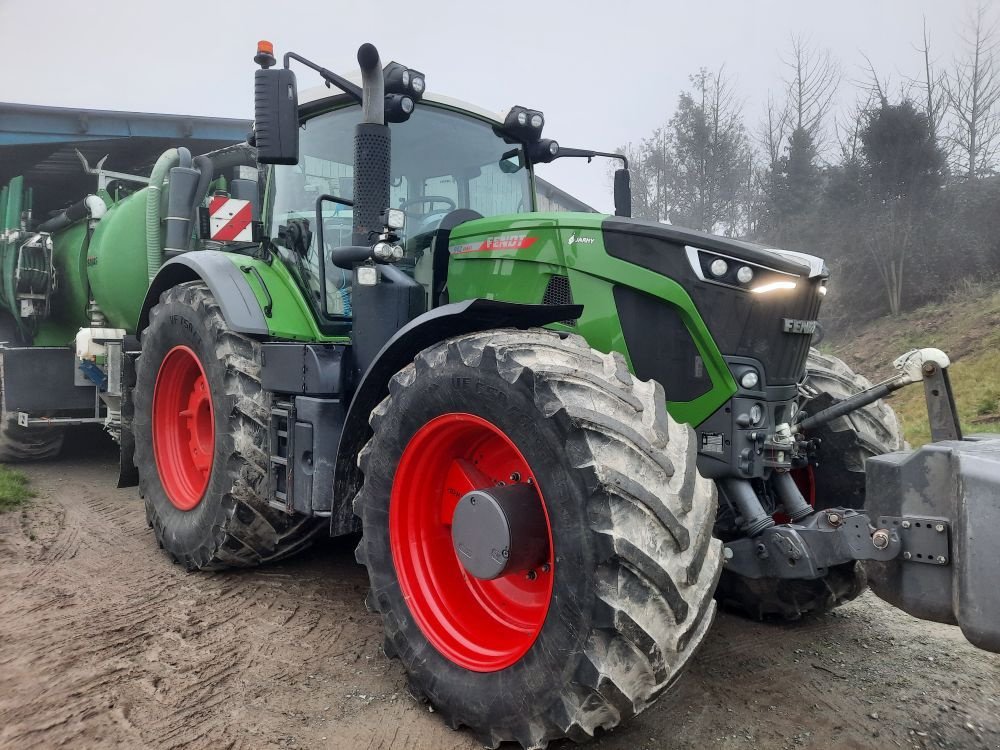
(441, 161)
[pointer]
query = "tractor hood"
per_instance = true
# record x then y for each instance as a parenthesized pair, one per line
(756, 303)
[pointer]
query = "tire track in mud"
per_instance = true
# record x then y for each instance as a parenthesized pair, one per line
(105, 643)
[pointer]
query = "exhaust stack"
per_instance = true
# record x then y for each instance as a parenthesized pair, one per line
(372, 149)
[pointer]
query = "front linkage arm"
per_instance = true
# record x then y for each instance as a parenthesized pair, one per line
(806, 549)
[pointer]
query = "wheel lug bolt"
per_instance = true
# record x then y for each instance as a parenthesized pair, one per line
(515, 477)
(546, 568)
(532, 575)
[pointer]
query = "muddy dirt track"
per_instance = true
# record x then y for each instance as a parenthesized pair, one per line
(105, 643)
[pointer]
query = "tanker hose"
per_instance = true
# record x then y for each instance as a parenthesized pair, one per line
(184, 157)
(154, 248)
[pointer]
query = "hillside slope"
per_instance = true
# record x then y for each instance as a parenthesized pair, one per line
(967, 327)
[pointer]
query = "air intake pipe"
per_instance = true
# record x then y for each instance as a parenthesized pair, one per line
(206, 169)
(180, 197)
(372, 149)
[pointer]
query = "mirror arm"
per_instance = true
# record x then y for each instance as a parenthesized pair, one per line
(351, 89)
(588, 154)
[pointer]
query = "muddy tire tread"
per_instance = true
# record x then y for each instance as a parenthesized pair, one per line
(649, 510)
(253, 532)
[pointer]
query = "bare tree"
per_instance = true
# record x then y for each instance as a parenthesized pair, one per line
(709, 145)
(812, 85)
(973, 91)
(774, 130)
(848, 126)
(932, 87)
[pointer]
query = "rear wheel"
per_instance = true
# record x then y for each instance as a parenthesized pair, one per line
(835, 477)
(201, 439)
(19, 444)
(537, 537)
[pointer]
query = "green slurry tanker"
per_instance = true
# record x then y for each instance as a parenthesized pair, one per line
(563, 437)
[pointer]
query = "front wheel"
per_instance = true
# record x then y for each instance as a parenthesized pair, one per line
(536, 535)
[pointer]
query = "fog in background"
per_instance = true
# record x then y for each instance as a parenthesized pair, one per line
(605, 74)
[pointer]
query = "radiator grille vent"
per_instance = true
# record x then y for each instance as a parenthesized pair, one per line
(558, 293)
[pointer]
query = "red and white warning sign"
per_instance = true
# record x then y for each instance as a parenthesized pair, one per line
(229, 219)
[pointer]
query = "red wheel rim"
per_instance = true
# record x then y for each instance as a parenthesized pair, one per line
(183, 427)
(480, 625)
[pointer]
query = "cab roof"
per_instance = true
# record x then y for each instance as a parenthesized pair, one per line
(319, 93)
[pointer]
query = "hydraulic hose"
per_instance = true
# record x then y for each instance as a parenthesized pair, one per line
(154, 247)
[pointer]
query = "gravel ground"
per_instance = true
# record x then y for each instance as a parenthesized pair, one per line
(105, 643)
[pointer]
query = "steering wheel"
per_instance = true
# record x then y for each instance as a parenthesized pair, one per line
(427, 199)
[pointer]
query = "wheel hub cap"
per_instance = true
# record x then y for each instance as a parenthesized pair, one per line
(500, 530)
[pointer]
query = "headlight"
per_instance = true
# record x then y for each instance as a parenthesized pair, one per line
(749, 379)
(718, 267)
(522, 118)
(536, 121)
(406, 104)
(406, 78)
(744, 275)
(756, 414)
(417, 84)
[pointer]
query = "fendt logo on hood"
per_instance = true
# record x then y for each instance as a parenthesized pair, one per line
(575, 239)
(510, 242)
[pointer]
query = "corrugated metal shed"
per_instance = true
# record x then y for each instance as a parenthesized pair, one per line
(41, 143)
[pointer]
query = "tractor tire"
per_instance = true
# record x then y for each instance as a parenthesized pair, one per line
(201, 440)
(835, 478)
(847, 442)
(20, 444)
(605, 625)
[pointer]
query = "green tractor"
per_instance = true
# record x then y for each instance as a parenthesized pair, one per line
(562, 436)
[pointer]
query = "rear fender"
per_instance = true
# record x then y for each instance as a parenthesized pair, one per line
(228, 284)
(426, 330)
(257, 297)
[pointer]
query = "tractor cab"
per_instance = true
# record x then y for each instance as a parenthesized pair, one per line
(447, 158)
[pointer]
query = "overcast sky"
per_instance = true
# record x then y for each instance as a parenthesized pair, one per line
(604, 73)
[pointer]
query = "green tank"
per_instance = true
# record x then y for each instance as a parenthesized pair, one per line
(116, 261)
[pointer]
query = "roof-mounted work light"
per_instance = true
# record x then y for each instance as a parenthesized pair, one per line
(405, 81)
(524, 124)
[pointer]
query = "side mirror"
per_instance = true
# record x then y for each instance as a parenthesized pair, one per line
(276, 116)
(623, 193)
